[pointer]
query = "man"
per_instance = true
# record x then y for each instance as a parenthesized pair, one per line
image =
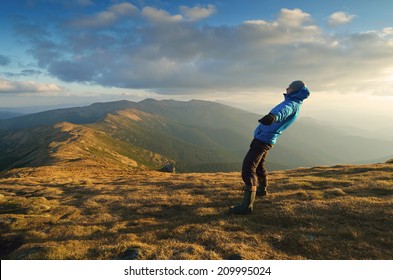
(254, 173)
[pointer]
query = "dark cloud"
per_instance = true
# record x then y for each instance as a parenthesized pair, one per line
(151, 48)
(30, 30)
(4, 60)
(23, 73)
(74, 71)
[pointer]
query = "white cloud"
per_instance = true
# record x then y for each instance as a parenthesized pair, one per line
(8, 86)
(293, 18)
(197, 12)
(187, 14)
(160, 16)
(387, 31)
(339, 18)
(105, 18)
(292, 26)
(178, 55)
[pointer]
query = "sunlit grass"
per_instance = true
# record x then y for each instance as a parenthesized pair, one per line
(339, 212)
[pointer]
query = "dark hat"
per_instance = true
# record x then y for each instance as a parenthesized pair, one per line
(296, 85)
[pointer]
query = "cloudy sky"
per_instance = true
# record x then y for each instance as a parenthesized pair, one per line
(242, 52)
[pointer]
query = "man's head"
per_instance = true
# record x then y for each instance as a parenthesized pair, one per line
(295, 86)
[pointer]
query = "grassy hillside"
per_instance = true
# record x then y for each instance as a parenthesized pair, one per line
(66, 144)
(76, 115)
(132, 133)
(189, 147)
(127, 137)
(72, 212)
(199, 136)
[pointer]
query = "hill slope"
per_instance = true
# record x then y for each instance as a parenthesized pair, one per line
(197, 135)
(124, 138)
(54, 212)
(77, 115)
(8, 115)
(66, 144)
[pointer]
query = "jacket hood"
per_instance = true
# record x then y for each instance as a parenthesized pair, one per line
(300, 95)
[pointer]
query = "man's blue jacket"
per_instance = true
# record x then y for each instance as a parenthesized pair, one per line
(286, 112)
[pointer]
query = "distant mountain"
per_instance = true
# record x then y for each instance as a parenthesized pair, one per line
(386, 133)
(8, 115)
(195, 136)
(192, 148)
(333, 146)
(148, 140)
(76, 115)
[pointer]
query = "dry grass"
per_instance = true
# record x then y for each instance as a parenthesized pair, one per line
(340, 212)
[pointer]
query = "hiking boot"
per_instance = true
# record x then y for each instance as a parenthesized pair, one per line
(246, 207)
(262, 191)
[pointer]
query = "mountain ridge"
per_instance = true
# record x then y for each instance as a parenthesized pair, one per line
(8, 115)
(198, 135)
(77, 115)
(61, 144)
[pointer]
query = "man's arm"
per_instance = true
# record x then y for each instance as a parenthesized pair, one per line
(278, 113)
(268, 119)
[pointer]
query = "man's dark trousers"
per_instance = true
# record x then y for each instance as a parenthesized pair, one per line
(254, 169)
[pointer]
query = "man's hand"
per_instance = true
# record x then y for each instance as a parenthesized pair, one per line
(268, 119)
